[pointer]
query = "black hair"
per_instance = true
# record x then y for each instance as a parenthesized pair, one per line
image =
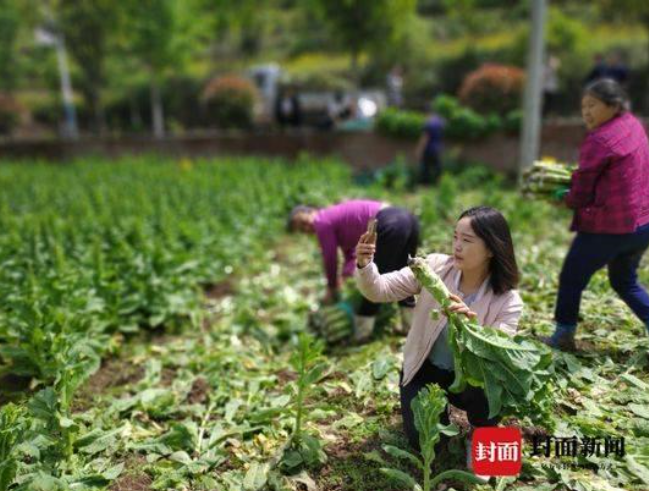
(609, 92)
(491, 226)
(297, 210)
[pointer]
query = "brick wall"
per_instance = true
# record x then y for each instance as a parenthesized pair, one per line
(362, 150)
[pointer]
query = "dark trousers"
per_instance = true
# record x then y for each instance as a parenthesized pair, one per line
(397, 235)
(430, 168)
(472, 400)
(591, 252)
(549, 102)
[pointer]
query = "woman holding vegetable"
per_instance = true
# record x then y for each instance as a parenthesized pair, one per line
(609, 193)
(481, 275)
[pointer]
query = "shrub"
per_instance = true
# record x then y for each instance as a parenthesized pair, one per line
(512, 121)
(400, 124)
(321, 81)
(463, 122)
(230, 101)
(493, 89)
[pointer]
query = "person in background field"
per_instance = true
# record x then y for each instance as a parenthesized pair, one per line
(482, 276)
(609, 193)
(550, 84)
(288, 110)
(429, 150)
(599, 69)
(339, 109)
(617, 69)
(341, 226)
(394, 83)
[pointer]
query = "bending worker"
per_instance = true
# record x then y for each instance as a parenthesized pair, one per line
(341, 226)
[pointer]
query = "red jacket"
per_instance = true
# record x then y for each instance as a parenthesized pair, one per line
(610, 189)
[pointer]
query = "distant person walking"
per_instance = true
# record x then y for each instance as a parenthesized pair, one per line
(394, 83)
(617, 69)
(613, 67)
(429, 150)
(340, 108)
(288, 110)
(599, 69)
(550, 84)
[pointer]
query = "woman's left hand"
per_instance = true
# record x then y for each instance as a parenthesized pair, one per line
(459, 307)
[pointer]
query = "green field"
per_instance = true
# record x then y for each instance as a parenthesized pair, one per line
(151, 316)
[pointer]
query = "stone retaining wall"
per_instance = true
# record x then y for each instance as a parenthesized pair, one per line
(361, 150)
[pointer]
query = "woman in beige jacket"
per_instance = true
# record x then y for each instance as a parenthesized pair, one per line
(482, 275)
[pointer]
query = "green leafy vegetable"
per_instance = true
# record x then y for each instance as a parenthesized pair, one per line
(427, 408)
(513, 371)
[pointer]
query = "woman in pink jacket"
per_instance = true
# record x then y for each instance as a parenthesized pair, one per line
(609, 194)
(482, 274)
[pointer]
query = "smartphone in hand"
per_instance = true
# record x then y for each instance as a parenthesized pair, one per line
(371, 231)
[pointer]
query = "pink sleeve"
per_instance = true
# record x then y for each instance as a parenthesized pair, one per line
(389, 287)
(329, 247)
(509, 315)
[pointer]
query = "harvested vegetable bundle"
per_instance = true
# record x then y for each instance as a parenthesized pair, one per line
(513, 371)
(546, 177)
(333, 323)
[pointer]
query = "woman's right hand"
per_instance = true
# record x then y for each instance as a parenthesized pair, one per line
(459, 307)
(365, 249)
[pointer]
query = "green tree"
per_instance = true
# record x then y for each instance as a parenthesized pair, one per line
(627, 10)
(155, 32)
(9, 27)
(243, 22)
(466, 12)
(364, 25)
(89, 28)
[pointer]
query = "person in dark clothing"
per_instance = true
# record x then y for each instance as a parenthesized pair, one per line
(550, 85)
(617, 69)
(429, 150)
(398, 233)
(339, 109)
(599, 70)
(288, 110)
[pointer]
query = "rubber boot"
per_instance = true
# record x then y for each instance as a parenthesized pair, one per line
(363, 328)
(406, 314)
(563, 338)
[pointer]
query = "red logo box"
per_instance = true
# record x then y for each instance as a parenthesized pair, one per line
(497, 451)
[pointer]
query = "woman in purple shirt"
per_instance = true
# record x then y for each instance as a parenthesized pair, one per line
(609, 193)
(341, 226)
